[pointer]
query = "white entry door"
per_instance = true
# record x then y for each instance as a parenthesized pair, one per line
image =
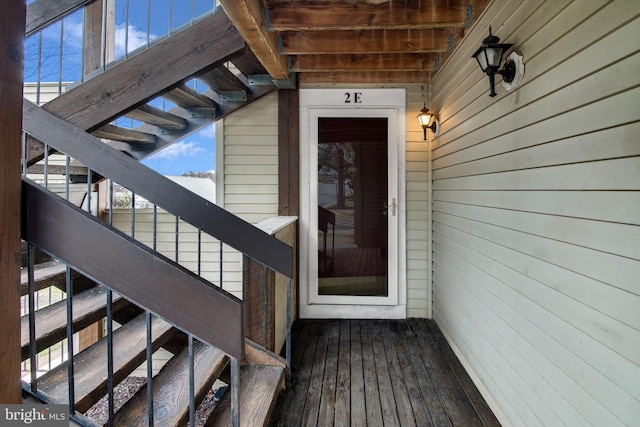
(352, 151)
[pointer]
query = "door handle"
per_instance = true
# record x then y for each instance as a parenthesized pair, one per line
(392, 206)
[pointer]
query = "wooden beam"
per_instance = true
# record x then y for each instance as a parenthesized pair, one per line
(173, 198)
(364, 77)
(316, 15)
(142, 276)
(12, 23)
(288, 152)
(153, 71)
(41, 13)
(366, 41)
(248, 17)
(364, 62)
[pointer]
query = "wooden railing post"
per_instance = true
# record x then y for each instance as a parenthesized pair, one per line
(265, 292)
(12, 24)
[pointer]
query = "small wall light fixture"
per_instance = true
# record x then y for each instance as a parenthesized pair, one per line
(424, 118)
(489, 57)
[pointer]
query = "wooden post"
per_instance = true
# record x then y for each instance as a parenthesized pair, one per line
(288, 152)
(92, 61)
(12, 25)
(289, 167)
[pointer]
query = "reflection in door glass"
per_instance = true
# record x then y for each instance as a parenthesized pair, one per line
(352, 212)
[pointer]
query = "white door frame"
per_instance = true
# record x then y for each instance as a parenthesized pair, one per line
(356, 103)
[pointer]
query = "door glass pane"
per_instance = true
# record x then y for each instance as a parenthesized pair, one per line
(352, 212)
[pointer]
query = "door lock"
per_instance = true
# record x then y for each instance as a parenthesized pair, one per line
(392, 206)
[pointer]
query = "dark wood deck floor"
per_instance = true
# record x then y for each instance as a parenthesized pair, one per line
(377, 373)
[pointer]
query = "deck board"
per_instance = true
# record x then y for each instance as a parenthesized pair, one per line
(377, 373)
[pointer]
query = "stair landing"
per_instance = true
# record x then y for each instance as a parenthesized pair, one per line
(377, 372)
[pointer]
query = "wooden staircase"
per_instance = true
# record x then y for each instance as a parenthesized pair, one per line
(210, 51)
(262, 374)
(147, 294)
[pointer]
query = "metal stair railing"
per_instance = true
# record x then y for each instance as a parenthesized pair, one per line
(210, 221)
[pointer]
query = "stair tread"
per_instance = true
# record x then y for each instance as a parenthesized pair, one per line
(90, 365)
(248, 64)
(51, 322)
(157, 117)
(117, 133)
(185, 97)
(259, 388)
(220, 79)
(44, 275)
(171, 388)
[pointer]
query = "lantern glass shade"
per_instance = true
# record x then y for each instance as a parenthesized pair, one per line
(490, 57)
(424, 118)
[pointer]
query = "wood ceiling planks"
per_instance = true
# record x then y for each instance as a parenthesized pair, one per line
(353, 41)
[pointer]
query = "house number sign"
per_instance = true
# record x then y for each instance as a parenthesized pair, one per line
(353, 97)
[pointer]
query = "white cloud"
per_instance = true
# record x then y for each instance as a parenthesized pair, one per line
(179, 149)
(209, 131)
(133, 37)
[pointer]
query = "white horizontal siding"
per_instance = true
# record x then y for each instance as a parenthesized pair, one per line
(536, 214)
(418, 208)
(251, 160)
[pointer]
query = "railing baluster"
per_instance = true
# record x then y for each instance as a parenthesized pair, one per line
(110, 384)
(46, 165)
(133, 215)
(110, 201)
(177, 236)
(32, 319)
(103, 36)
(149, 369)
(89, 189)
(265, 305)
(61, 57)
(70, 374)
(155, 227)
(235, 392)
(288, 329)
(192, 399)
(148, 22)
(199, 252)
(24, 153)
(39, 75)
(170, 17)
(126, 32)
(221, 272)
(66, 176)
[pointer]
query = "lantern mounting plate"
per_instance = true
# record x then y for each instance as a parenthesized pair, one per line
(515, 63)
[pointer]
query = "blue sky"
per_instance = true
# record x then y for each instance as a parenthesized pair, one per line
(196, 153)
(56, 54)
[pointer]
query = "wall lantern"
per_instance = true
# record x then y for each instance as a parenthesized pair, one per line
(489, 57)
(424, 118)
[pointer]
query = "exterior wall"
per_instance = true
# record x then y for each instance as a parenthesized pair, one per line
(250, 159)
(418, 203)
(536, 214)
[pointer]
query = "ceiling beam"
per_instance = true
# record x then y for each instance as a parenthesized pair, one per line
(366, 41)
(364, 77)
(323, 15)
(365, 62)
(248, 17)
